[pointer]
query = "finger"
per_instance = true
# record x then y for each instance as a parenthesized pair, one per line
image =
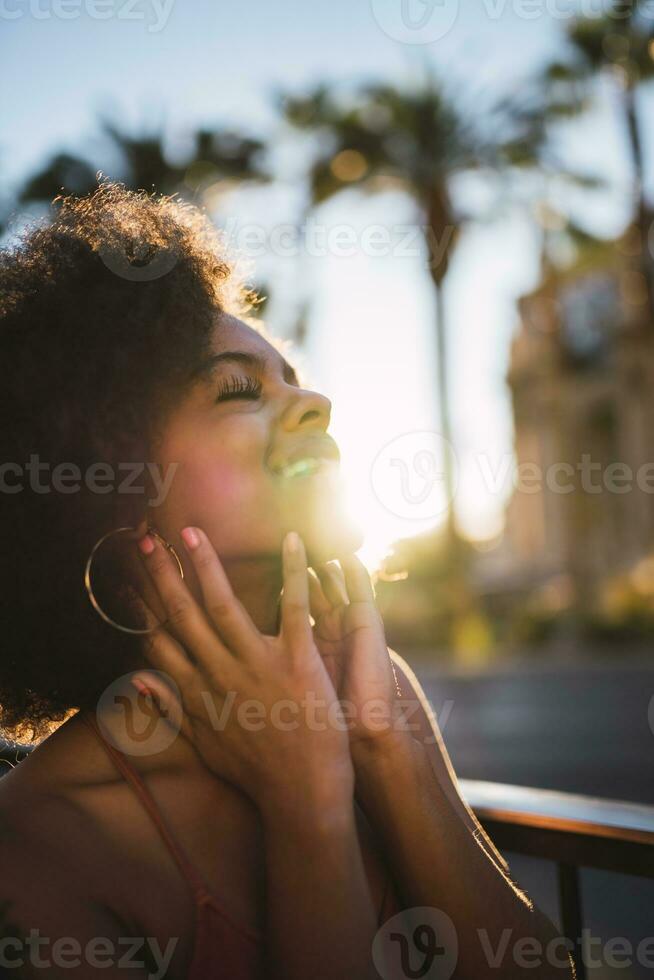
(333, 583)
(184, 617)
(318, 602)
(161, 648)
(165, 654)
(227, 614)
(357, 579)
(144, 613)
(295, 623)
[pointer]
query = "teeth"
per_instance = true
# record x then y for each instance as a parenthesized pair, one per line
(301, 467)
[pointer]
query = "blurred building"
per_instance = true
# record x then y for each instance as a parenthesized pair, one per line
(581, 378)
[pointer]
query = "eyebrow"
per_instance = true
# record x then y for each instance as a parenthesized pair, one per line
(205, 369)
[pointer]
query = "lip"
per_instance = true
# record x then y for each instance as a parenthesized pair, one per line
(320, 448)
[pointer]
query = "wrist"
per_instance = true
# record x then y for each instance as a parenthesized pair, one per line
(390, 770)
(316, 799)
(384, 753)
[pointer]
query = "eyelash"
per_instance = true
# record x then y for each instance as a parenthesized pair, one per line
(239, 388)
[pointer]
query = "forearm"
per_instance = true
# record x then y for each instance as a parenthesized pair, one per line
(423, 725)
(321, 921)
(437, 861)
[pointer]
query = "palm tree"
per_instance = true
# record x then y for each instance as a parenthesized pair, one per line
(419, 140)
(63, 171)
(216, 162)
(143, 163)
(619, 46)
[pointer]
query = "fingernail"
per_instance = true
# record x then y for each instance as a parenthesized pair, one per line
(292, 542)
(141, 687)
(190, 537)
(146, 544)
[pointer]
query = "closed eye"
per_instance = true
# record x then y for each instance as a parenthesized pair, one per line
(236, 387)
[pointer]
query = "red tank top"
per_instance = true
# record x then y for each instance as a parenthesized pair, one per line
(223, 947)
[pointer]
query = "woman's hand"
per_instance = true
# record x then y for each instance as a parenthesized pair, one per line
(289, 733)
(349, 634)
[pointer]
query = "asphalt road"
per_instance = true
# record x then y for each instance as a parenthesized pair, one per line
(582, 729)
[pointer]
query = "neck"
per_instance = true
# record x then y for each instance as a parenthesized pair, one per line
(257, 583)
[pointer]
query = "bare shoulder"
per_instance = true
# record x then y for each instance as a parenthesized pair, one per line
(49, 921)
(38, 877)
(40, 829)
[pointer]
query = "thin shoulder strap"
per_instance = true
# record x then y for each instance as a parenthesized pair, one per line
(136, 782)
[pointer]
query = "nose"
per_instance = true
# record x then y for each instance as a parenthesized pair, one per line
(307, 410)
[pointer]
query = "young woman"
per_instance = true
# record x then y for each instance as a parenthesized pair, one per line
(233, 776)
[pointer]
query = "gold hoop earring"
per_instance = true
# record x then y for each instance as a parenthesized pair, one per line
(89, 588)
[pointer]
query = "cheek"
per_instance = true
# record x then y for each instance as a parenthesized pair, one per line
(214, 462)
(221, 485)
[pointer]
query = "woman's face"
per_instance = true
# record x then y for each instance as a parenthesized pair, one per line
(229, 441)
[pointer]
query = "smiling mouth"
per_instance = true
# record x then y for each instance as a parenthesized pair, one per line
(304, 467)
(309, 457)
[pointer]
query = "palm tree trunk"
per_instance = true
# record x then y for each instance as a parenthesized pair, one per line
(444, 419)
(441, 234)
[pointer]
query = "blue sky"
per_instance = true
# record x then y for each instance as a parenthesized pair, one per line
(217, 60)
(196, 62)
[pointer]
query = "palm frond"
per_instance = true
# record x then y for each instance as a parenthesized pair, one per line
(63, 173)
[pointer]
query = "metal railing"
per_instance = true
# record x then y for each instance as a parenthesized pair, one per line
(572, 831)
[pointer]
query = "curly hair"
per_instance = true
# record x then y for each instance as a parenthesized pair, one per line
(104, 311)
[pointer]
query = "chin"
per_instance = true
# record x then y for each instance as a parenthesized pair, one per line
(317, 510)
(330, 542)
